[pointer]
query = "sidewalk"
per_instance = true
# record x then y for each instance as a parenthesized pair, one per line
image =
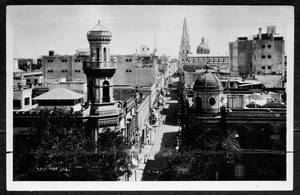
(137, 173)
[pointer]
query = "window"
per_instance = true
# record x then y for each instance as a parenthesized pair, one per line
(17, 103)
(50, 71)
(64, 71)
(106, 97)
(26, 100)
(263, 67)
(77, 60)
(77, 70)
(269, 67)
(198, 103)
(212, 101)
(27, 80)
(50, 60)
(263, 46)
(269, 46)
(64, 60)
(105, 54)
(255, 57)
(263, 56)
(35, 81)
(128, 70)
(269, 56)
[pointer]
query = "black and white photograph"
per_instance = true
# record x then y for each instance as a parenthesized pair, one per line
(149, 97)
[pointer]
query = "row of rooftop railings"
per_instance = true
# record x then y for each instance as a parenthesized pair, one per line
(101, 65)
(258, 113)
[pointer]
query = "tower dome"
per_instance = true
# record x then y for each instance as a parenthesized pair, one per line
(203, 47)
(207, 94)
(208, 81)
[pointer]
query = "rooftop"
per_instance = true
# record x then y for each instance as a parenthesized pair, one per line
(208, 55)
(99, 27)
(59, 93)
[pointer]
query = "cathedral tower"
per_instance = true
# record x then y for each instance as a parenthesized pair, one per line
(185, 47)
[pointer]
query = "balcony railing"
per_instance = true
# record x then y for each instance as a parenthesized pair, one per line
(99, 65)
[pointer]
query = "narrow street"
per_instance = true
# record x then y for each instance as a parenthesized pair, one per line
(165, 139)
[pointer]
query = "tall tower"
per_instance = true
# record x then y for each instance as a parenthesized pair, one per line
(185, 47)
(99, 70)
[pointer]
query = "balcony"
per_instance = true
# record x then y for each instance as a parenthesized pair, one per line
(99, 65)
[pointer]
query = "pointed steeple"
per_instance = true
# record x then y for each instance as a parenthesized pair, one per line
(185, 47)
(185, 33)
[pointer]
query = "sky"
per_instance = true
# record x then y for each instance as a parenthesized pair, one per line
(34, 30)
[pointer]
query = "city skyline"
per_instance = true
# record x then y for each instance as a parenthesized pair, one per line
(33, 30)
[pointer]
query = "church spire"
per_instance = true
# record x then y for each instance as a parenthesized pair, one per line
(185, 33)
(185, 47)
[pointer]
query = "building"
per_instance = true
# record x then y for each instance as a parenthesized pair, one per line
(240, 53)
(185, 47)
(99, 69)
(261, 132)
(60, 97)
(137, 69)
(29, 77)
(22, 98)
(263, 54)
(57, 67)
(193, 64)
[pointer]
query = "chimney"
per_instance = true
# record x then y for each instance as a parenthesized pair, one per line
(259, 33)
(51, 52)
(20, 86)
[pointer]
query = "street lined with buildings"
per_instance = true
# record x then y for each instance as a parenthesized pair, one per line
(156, 105)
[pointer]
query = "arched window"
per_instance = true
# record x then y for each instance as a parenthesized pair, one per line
(106, 97)
(198, 104)
(104, 54)
(97, 54)
(90, 90)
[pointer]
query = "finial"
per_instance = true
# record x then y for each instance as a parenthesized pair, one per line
(206, 66)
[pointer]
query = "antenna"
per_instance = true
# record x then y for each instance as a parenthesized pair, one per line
(154, 41)
(136, 42)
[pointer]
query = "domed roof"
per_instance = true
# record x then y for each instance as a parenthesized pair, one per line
(208, 81)
(203, 47)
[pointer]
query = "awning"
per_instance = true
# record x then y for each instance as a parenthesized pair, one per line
(162, 98)
(149, 126)
(154, 112)
(122, 125)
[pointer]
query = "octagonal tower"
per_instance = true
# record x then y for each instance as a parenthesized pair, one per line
(99, 69)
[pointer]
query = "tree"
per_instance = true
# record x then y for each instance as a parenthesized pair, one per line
(163, 59)
(58, 147)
